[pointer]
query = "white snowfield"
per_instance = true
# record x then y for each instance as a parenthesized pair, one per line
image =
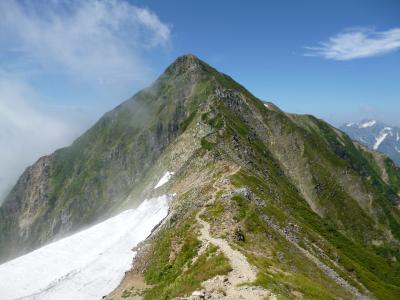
(367, 124)
(379, 139)
(167, 176)
(382, 136)
(86, 265)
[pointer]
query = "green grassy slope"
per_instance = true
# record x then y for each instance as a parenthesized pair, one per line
(312, 191)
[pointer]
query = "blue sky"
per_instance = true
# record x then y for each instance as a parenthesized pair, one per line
(64, 63)
(262, 45)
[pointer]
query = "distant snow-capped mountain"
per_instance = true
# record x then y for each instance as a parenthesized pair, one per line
(377, 136)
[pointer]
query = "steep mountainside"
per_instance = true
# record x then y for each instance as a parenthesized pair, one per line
(377, 136)
(115, 158)
(284, 203)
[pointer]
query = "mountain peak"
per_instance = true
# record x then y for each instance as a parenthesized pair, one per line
(187, 63)
(366, 123)
(188, 57)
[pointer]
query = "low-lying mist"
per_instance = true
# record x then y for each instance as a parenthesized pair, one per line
(28, 132)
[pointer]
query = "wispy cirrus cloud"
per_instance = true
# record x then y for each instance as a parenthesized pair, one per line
(357, 43)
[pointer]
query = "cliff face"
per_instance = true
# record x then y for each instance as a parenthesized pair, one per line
(314, 213)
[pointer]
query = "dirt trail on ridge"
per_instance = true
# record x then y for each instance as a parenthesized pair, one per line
(237, 283)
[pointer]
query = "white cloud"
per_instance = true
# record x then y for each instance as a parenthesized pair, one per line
(357, 43)
(93, 39)
(94, 42)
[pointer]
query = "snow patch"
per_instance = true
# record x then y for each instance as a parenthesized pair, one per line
(349, 124)
(167, 176)
(379, 139)
(397, 149)
(367, 124)
(382, 136)
(388, 129)
(86, 265)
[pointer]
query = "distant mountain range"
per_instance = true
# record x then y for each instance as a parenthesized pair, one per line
(377, 136)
